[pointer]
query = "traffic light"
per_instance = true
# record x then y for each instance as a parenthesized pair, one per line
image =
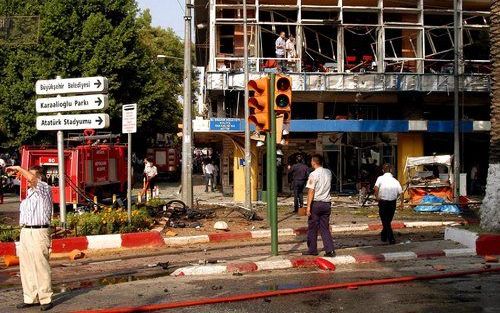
(259, 104)
(283, 97)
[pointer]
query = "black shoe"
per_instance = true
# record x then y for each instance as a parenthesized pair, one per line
(392, 242)
(26, 305)
(46, 307)
(309, 253)
(330, 254)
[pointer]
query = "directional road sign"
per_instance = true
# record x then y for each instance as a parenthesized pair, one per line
(72, 85)
(67, 104)
(129, 118)
(71, 122)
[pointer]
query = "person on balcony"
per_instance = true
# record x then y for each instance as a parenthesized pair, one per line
(280, 51)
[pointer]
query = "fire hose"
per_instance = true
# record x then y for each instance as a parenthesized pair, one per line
(268, 294)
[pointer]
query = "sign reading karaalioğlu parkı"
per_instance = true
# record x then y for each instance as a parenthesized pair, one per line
(75, 103)
(83, 85)
(72, 122)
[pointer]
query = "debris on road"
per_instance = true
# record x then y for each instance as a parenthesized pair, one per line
(221, 225)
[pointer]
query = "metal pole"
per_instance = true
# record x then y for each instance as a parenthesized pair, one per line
(272, 172)
(248, 153)
(456, 122)
(62, 175)
(129, 177)
(187, 154)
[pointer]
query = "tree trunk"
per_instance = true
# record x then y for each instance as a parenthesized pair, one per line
(490, 209)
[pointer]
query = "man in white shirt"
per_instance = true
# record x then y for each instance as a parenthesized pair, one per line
(34, 243)
(319, 208)
(208, 171)
(280, 50)
(150, 172)
(387, 190)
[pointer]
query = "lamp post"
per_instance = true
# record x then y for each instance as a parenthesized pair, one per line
(187, 138)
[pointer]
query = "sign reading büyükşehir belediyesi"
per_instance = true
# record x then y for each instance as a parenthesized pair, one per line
(72, 85)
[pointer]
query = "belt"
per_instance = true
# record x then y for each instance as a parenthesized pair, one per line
(36, 226)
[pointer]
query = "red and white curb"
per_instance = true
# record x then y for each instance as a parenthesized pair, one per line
(324, 263)
(483, 244)
(154, 238)
(98, 242)
(290, 232)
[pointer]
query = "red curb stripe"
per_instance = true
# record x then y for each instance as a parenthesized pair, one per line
(241, 267)
(398, 225)
(430, 254)
(134, 240)
(488, 244)
(303, 262)
(218, 237)
(374, 226)
(69, 244)
(7, 248)
(300, 231)
(369, 258)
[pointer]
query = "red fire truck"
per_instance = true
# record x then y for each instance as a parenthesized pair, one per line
(167, 161)
(92, 169)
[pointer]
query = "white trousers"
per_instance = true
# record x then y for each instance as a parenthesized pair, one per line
(34, 264)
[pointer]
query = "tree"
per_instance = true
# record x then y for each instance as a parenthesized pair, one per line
(490, 209)
(87, 38)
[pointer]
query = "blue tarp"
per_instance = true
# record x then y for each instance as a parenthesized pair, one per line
(444, 208)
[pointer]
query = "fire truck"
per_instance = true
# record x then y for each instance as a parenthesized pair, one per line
(167, 161)
(95, 165)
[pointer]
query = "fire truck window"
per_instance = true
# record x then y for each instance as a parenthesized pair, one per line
(51, 174)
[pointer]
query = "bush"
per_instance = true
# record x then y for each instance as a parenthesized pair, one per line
(9, 233)
(108, 221)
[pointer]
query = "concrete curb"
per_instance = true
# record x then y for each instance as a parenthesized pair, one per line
(290, 232)
(484, 244)
(154, 238)
(317, 262)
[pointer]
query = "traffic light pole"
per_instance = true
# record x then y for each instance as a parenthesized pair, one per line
(272, 203)
(248, 154)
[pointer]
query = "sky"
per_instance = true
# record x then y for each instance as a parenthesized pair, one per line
(165, 13)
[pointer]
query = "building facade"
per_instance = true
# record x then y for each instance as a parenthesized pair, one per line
(372, 82)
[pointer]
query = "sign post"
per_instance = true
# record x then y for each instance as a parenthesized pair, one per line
(59, 122)
(129, 126)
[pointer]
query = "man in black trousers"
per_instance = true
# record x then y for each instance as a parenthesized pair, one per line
(387, 190)
(299, 174)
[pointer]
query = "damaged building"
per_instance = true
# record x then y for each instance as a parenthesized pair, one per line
(372, 83)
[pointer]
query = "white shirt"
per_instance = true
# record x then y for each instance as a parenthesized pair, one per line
(290, 49)
(320, 180)
(209, 169)
(389, 187)
(36, 209)
(150, 170)
(280, 50)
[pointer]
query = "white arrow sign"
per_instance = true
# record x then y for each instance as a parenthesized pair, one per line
(74, 121)
(72, 85)
(76, 103)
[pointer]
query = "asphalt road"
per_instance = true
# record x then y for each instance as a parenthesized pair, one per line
(464, 294)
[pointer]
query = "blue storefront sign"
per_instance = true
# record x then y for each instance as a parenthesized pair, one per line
(226, 124)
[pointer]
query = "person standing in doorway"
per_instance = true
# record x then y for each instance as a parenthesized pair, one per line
(208, 172)
(387, 190)
(299, 174)
(280, 51)
(34, 244)
(150, 173)
(319, 208)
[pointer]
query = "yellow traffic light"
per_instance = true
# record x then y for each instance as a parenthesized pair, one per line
(259, 104)
(283, 97)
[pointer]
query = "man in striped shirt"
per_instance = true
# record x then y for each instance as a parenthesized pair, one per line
(34, 244)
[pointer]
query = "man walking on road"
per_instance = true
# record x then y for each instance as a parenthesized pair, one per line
(387, 189)
(299, 174)
(208, 171)
(34, 244)
(319, 208)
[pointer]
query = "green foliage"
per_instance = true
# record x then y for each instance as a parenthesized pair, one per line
(9, 233)
(108, 221)
(85, 38)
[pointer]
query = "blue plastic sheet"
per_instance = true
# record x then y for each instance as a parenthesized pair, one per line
(444, 208)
